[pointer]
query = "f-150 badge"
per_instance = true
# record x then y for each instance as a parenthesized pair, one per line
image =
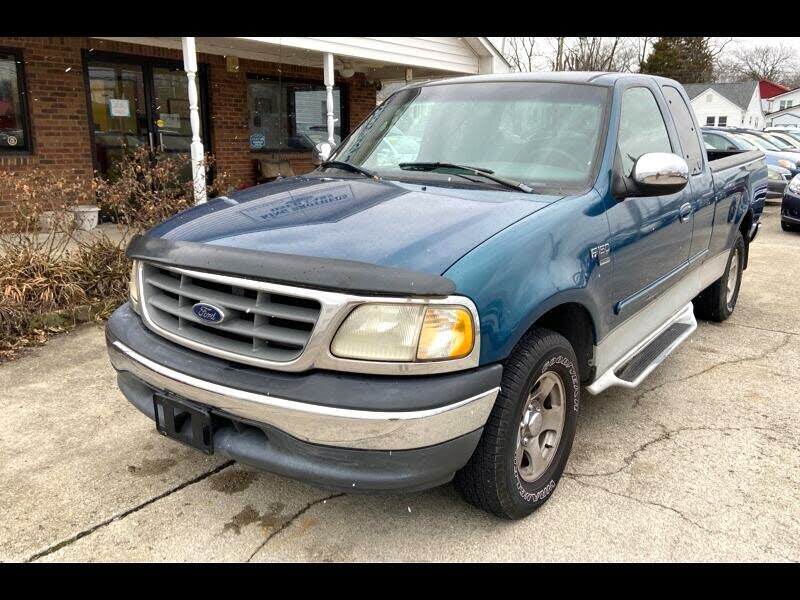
(602, 254)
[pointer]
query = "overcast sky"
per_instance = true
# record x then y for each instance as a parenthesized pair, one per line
(739, 41)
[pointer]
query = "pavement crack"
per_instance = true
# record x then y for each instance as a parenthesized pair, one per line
(665, 436)
(734, 361)
(81, 534)
(765, 329)
(641, 501)
(291, 520)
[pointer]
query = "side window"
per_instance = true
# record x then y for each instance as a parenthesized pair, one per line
(641, 127)
(686, 129)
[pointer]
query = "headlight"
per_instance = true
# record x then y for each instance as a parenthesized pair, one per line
(794, 184)
(774, 175)
(133, 286)
(786, 164)
(405, 333)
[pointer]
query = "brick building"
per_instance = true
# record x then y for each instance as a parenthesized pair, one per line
(71, 104)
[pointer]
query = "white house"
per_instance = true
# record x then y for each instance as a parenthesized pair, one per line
(784, 109)
(727, 104)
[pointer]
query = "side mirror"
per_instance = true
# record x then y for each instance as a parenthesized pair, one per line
(322, 152)
(659, 173)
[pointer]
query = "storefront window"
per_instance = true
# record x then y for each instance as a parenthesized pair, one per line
(13, 125)
(287, 115)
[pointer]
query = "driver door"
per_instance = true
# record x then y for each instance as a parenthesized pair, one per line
(650, 236)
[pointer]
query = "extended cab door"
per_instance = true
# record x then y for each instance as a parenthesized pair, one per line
(701, 182)
(650, 236)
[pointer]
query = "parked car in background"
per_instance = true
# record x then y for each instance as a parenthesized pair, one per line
(790, 207)
(777, 141)
(387, 323)
(726, 140)
(793, 143)
(761, 141)
(778, 179)
(792, 132)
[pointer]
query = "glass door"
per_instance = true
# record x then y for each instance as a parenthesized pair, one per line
(171, 125)
(140, 102)
(119, 111)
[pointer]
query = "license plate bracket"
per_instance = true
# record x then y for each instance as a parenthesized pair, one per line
(185, 422)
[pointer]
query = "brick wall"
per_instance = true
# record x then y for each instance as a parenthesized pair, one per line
(59, 113)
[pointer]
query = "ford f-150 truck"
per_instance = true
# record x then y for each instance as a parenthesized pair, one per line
(430, 309)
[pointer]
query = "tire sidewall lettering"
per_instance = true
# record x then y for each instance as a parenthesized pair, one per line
(563, 361)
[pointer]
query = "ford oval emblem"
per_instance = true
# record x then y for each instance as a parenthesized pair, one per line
(208, 312)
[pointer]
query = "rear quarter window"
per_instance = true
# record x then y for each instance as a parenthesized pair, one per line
(687, 133)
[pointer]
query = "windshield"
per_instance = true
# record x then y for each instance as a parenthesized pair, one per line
(759, 142)
(780, 142)
(743, 142)
(546, 135)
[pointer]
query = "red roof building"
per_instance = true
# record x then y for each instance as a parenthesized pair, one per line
(768, 89)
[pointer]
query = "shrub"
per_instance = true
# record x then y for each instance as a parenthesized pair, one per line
(56, 276)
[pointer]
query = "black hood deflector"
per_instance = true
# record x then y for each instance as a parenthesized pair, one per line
(312, 272)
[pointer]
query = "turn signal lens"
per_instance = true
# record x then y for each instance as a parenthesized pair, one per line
(446, 333)
(133, 286)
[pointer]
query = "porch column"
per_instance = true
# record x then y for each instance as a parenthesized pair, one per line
(328, 77)
(198, 163)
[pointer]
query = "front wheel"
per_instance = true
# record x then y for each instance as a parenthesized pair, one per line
(717, 301)
(528, 436)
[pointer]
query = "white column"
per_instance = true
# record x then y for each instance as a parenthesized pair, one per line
(198, 162)
(327, 69)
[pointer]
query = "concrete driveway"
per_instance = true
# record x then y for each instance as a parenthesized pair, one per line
(701, 463)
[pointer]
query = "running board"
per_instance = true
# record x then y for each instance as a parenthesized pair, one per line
(637, 364)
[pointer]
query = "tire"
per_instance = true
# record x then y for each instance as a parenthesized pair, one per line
(789, 226)
(715, 303)
(501, 477)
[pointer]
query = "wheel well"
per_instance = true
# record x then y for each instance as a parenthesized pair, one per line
(744, 227)
(574, 322)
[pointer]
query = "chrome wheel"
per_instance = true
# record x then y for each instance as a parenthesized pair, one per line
(541, 426)
(733, 276)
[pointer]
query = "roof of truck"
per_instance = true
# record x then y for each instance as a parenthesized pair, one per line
(594, 77)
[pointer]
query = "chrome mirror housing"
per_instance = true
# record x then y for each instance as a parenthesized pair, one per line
(660, 173)
(322, 152)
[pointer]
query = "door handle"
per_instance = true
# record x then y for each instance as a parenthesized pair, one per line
(685, 212)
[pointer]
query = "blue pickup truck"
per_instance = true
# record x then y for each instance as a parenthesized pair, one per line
(397, 319)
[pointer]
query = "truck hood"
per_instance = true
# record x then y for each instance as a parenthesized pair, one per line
(387, 223)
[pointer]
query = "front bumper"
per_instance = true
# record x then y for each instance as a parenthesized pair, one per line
(332, 429)
(790, 207)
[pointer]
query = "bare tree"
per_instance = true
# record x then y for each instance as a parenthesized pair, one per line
(599, 54)
(519, 52)
(777, 63)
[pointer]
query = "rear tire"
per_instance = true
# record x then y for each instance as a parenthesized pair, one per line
(789, 226)
(528, 436)
(718, 301)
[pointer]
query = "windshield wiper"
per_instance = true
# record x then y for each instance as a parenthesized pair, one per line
(346, 166)
(477, 171)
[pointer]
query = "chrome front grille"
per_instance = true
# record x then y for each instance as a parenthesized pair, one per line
(259, 324)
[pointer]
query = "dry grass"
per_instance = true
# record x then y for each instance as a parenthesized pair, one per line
(50, 280)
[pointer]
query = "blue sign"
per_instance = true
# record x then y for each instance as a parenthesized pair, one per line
(258, 141)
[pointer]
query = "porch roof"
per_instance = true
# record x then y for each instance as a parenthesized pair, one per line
(378, 57)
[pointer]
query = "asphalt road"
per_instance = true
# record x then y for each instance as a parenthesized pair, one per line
(701, 463)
